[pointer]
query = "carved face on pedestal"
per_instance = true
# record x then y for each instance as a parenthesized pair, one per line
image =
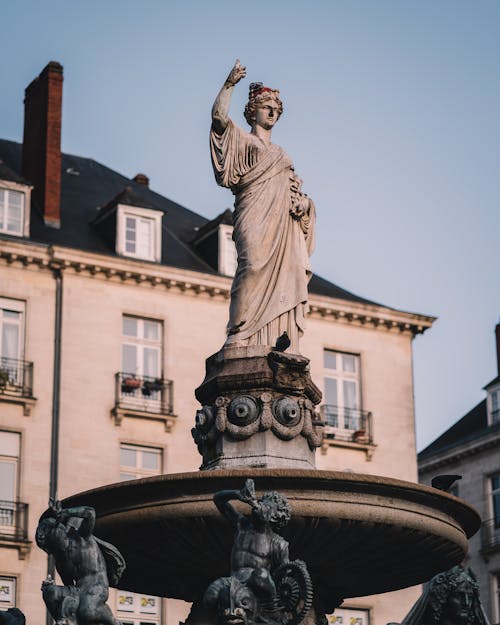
(459, 608)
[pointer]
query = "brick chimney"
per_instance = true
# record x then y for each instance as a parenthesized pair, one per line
(497, 334)
(41, 159)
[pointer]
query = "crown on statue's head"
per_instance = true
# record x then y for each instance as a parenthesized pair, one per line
(256, 88)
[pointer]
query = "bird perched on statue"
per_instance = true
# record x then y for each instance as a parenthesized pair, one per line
(12, 616)
(283, 343)
(445, 482)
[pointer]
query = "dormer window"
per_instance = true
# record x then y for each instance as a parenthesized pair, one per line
(228, 259)
(11, 211)
(139, 233)
(494, 405)
(14, 203)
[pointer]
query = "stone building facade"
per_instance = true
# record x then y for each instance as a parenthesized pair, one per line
(111, 298)
(471, 448)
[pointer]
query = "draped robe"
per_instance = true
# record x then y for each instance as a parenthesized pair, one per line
(269, 291)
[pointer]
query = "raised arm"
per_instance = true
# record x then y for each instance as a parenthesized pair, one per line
(223, 497)
(86, 513)
(220, 109)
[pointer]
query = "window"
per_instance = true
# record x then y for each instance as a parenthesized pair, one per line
(228, 258)
(341, 390)
(11, 344)
(11, 212)
(495, 406)
(138, 609)
(11, 328)
(135, 608)
(7, 592)
(495, 501)
(141, 347)
(137, 462)
(9, 469)
(139, 233)
(349, 616)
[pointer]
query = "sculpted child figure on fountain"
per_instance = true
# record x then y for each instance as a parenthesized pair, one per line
(85, 563)
(273, 220)
(258, 590)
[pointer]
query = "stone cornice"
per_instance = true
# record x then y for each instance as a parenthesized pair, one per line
(118, 268)
(450, 456)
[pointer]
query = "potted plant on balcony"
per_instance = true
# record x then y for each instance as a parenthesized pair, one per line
(130, 383)
(4, 377)
(152, 386)
(359, 436)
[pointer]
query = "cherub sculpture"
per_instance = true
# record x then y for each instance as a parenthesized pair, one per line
(85, 563)
(450, 598)
(264, 586)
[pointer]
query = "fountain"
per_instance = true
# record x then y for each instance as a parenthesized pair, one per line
(357, 534)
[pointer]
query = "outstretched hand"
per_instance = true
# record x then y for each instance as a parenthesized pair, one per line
(238, 72)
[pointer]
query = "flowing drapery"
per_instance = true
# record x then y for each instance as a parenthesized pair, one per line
(269, 291)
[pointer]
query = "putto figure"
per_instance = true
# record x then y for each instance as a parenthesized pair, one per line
(450, 598)
(85, 563)
(264, 586)
(273, 220)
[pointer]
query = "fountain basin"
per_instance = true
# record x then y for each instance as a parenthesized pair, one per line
(359, 534)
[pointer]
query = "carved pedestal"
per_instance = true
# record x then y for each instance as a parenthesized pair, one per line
(258, 410)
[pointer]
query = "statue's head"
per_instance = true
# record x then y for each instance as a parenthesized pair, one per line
(260, 100)
(453, 596)
(233, 601)
(273, 508)
(44, 533)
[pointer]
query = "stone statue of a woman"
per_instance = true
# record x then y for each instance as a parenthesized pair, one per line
(273, 220)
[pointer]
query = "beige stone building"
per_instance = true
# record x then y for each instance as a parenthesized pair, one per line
(111, 298)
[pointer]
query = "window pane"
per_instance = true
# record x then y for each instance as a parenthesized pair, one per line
(125, 477)
(7, 480)
(151, 330)
(331, 396)
(150, 459)
(15, 199)
(330, 359)
(10, 340)
(129, 326)
(11, 314)
(151, 362)
(129, 358)
(495, 482)
(144, 249)
(348, 363)
(350, 394)
(494, 400)
(10, 444)
(128, 457)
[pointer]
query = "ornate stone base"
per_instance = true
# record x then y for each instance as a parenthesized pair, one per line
(258, 410)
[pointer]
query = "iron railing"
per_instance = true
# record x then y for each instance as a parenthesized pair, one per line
(144, 393)
(16, 377)
(490, 534)
(13, 520)
(347, 424)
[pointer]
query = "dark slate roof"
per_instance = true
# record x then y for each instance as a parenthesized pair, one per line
(6, 173)
(127, 197)
(490, 384)
(471, 426)
(88, 187)
(225, 217)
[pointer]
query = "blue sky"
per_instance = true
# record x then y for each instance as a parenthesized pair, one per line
(391, 118)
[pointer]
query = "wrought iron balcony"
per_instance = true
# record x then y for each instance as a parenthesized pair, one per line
(143, 393)
(347, 424)
(13, 521)
(16, 377)
(490, 535)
